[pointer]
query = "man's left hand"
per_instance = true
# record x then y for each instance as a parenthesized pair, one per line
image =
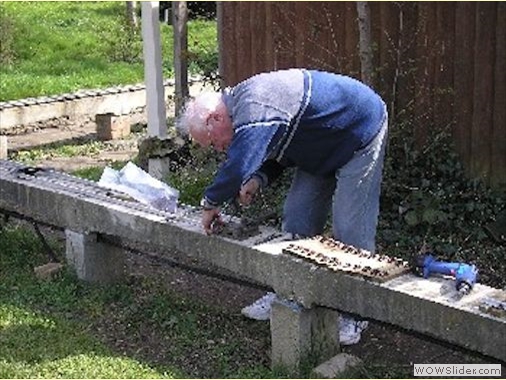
(248, 191)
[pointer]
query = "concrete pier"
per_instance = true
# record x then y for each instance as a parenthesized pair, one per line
(92, 260)
(298, 332)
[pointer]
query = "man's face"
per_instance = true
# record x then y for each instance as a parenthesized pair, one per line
(218, 132)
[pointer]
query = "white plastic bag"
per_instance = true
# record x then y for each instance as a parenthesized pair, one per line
(141, 186)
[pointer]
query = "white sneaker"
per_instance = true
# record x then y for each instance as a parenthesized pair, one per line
(350, 330)
(261, 308)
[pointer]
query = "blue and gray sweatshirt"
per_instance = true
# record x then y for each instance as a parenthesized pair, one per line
(310, 119)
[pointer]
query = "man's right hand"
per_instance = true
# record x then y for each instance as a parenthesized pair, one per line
(210, 219)
(248, 191)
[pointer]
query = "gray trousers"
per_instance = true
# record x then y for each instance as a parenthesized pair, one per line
(353, 196)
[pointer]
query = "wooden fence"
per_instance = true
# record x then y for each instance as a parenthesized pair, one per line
(438, 64)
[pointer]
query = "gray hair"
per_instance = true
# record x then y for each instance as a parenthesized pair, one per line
(196, 111)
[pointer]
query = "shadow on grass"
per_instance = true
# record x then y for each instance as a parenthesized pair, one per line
(34, 344)
(45, 325)
(66, 328)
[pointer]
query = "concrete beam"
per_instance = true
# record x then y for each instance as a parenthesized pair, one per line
(426, 306)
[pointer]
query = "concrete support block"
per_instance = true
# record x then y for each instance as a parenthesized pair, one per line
(94, 261)
(335, 367)
(298, 333)
(325, 333)
(111, 127)
(3, 147)
(159, 167)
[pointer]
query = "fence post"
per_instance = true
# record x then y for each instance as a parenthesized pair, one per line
(155, 92)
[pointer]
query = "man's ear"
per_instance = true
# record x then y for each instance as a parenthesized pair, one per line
(217, 115)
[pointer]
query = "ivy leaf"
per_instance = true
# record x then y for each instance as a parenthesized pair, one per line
(430, 216)
(411, 218)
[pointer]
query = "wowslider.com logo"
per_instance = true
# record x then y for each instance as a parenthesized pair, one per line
(486, 370)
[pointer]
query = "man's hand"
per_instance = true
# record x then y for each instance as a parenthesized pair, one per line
(210, 219)
(248, 191)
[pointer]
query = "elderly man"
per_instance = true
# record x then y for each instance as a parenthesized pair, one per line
(330, 127)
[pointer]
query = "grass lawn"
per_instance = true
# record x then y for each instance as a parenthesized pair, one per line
(42, 328)
(64, 328)
(61, 47)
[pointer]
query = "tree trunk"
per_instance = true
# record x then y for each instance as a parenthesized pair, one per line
(180, 26)
(364, 28)
(131, 13)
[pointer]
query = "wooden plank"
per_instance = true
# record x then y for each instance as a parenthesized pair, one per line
(498, 172)
(484, 49)
(404, 85)
(464, 78)
(269, 39)
(284, 33)
(334, 14)
(376, 32)
(424, 74)
(257, 32)
(336, 256)
(220, 35)
(243, 39)
(300, 33)
(351, 57)
(443, 68)
(316, 51)
(180, 33)
(376, 37)
(227, 42)
(388, 47)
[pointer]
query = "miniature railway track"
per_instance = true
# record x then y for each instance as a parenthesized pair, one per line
(337, 256)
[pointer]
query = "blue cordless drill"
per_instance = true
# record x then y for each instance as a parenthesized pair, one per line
(465, 275)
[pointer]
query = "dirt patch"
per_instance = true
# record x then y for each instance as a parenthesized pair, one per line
(63, 131)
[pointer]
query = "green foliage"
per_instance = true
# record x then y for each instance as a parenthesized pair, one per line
(203, 51)
(62, 47)
(193, 175)
(428, 201)
(94, 173)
